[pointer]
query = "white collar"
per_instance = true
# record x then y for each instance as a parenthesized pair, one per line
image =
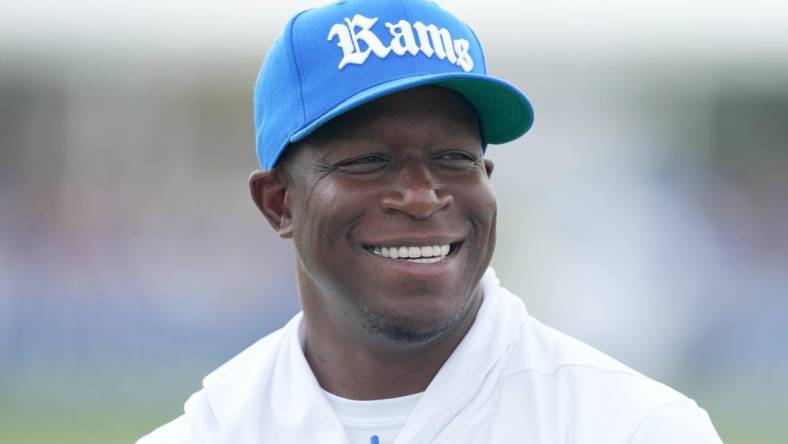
(270, 390)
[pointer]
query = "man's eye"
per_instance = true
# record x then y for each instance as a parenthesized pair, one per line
(457, 156)
(366, 160)
(363, 164)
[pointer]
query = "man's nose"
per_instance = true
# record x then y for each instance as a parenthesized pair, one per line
(416, 192)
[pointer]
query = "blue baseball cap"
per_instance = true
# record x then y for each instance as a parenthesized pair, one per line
(332, 59)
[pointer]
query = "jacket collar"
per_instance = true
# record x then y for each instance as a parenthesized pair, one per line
(269, 390)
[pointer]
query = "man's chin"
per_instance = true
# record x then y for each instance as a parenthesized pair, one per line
(405, 334)
(408, 330)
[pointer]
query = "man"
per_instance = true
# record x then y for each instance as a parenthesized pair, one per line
(372, 121)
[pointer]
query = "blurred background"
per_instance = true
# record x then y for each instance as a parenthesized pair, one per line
(646, 212)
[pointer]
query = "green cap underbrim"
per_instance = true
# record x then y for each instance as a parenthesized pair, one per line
(504, 113)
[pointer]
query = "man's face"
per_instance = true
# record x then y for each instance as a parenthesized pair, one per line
(393, 215)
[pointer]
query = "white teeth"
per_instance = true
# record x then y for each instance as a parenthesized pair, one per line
(427, 260)
(424, 255)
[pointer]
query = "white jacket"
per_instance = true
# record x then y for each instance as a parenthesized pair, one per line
(511, 380)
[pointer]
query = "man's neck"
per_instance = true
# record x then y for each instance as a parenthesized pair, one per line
(364, 368)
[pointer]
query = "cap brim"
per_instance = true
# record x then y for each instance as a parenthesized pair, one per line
(504, 112)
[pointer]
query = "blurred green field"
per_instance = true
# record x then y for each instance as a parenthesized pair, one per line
(86, 409)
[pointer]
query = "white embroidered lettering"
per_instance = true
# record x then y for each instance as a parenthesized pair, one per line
(462, 46)
(403, 38)
(354, 54)
(424, 39)
(434, 39)
(357, 40)
(344, 41)
(366, 35)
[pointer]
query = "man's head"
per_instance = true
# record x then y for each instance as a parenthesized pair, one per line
(372, 119)
(391, 212)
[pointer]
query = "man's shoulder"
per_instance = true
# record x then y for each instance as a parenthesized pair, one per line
(543, 349)
(553, 357)
(585, 390)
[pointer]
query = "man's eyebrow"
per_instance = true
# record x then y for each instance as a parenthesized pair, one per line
(453, 130)
(367, 133)
(360, 134)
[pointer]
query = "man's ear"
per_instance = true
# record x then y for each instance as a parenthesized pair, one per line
(270, 194)
(489, 166)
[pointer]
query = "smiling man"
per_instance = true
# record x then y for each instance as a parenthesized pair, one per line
(392, 216)
(373, 118)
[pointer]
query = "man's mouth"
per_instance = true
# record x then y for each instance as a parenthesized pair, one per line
(422, 254)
